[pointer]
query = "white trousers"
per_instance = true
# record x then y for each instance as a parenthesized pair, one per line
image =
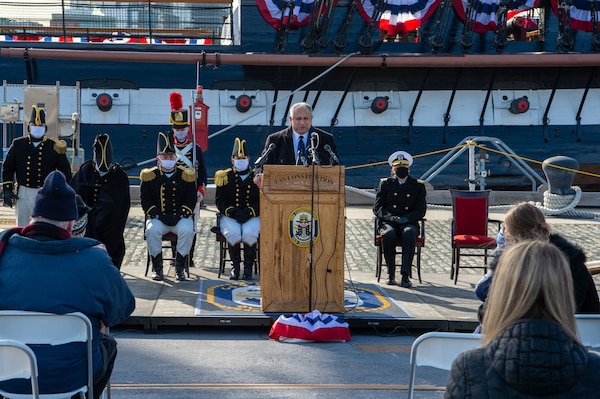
(235, 232)
(25, 203)
(155, 229)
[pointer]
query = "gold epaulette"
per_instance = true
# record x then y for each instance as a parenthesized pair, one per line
(420, 181)
(383, 179)
(221, 177)
(148, 174)
(188, 175)
(60, 146)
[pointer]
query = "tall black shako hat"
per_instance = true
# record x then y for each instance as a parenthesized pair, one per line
(165, 143)
(179, 115)
(38, 116)
(239, 148)
(103, 152)
(56, 199)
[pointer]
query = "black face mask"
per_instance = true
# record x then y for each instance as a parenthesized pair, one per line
(401, 172)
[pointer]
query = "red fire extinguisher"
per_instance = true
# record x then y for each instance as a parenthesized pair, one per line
(201, 120)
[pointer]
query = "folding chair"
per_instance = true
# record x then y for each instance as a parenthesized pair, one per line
(470, 228)
(224, 249)
(377, 242)
(169, 242)
(438, 349)
(50, 329)
(18, 361)
(588, 329)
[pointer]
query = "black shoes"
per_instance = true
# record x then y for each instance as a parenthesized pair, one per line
(405, 283)
(390, 281)
(157, 276)
(179, 274)
(235, 274)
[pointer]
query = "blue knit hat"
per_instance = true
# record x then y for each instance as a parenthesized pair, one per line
(56, 199)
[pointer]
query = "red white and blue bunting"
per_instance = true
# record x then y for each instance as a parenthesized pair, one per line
(483, 12)
(312, 326)
(274, 10)
(399, 16)
(580, 13)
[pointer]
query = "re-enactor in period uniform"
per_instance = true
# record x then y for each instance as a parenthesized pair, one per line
(104, 186)
(188, 153)
(168, 198)
(29, 160)
(399, 204)
(237, 198)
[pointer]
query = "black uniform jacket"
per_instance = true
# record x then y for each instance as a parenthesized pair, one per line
(233, 193)
(31, 165)
(164, 196)
(395, 199)
(283, 154)
(109, 198)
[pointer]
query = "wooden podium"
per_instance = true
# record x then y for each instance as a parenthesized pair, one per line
(285, 239)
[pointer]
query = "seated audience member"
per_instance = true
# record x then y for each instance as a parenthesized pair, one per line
(237, 199)
(80, 225)
(44, 269)
(168, 198)
(530, 346)
(525, 221)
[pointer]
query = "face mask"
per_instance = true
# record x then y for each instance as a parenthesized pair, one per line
(401, 172)
(180, 136)
(168, 164)
(37, 132)
(241, 164)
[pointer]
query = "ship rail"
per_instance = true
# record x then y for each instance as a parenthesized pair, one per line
(162, 21)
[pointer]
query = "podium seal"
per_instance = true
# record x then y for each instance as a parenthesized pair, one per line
(300, 227)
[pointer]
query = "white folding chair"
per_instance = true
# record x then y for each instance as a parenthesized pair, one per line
(50, 329)
(17, 360)
(438, 349)
(588, 329)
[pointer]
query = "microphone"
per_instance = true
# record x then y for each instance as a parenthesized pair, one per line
(263, 158)
(314, 143)
(301, 160)
(334, 157)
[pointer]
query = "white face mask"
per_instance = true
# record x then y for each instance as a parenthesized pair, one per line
(37, 132)
(181, 136)
(241, 164)
(168, 164)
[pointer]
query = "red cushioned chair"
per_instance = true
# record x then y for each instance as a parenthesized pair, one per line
(470, 228)
(420, 244)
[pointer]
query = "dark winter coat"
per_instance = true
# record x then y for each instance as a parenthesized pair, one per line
(530, 359)
(586, 296)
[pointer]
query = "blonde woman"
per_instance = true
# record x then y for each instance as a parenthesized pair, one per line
(530, 347)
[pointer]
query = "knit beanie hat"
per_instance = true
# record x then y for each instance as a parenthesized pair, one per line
(56, 199)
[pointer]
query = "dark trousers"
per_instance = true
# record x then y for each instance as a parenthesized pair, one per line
(108, 348)
(390, 232)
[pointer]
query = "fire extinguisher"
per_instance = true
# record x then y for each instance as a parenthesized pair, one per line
(201, 120)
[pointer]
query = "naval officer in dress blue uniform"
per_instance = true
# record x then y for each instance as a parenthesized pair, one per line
(399, 204)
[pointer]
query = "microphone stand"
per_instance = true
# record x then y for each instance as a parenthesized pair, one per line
(315, 161)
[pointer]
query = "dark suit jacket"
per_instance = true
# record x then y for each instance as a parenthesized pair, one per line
(283, 154)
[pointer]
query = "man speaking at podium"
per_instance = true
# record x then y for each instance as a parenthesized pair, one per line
(292, 145)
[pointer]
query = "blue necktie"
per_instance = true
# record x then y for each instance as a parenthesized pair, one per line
(302, 147)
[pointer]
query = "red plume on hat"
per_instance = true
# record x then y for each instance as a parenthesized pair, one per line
(179, 116)
(176, 101)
